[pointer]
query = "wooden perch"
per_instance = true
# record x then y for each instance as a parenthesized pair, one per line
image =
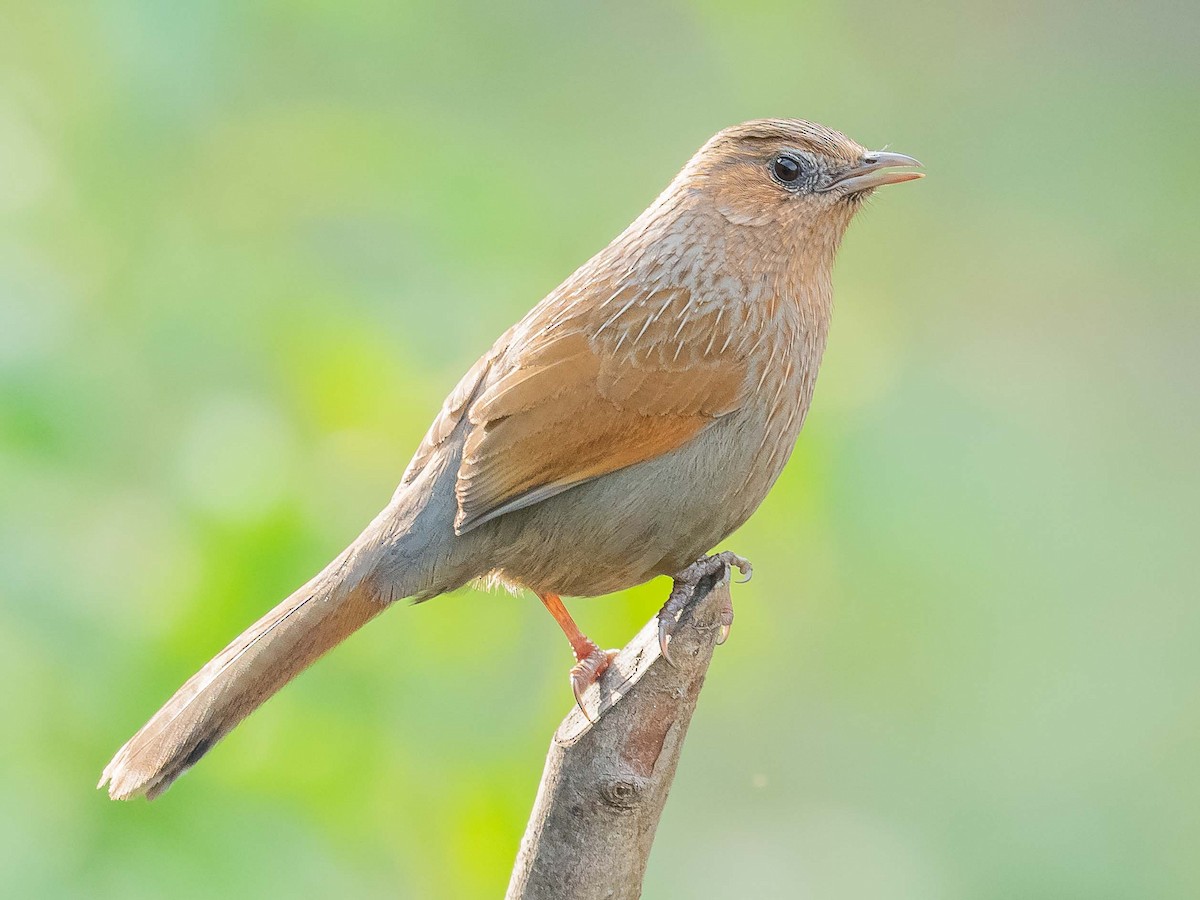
(606, 782)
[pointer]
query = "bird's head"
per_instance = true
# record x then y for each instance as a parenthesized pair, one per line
(790, 174)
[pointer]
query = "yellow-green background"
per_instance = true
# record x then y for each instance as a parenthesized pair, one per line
(245, 250)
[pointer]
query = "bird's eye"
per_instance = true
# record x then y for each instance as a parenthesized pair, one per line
(786, 168)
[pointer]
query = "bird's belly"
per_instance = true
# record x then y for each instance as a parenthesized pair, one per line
(653, 518)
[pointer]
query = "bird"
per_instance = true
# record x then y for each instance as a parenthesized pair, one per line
(628, 424)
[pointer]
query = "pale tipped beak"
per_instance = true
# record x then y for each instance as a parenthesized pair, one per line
(875, 169)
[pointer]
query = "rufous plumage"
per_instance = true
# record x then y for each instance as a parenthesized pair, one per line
(625, 426)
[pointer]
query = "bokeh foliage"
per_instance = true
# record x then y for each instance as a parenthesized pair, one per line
(246, 248)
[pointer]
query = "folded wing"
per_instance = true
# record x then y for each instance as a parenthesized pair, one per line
(594, 388)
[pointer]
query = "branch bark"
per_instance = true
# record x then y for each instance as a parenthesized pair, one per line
(606, 782)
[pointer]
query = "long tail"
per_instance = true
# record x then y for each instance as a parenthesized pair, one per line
(241, 677)
(409, 550)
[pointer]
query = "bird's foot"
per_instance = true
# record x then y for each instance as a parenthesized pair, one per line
(587, 671)
(684, 589)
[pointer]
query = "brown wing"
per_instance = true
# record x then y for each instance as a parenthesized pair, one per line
(585, 389)
(451, 413)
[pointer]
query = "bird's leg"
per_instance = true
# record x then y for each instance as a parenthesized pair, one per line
(590, 660)
(685, 586)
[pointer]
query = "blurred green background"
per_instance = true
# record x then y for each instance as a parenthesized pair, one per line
(246, 249)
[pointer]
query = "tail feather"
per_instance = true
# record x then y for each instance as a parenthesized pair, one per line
(238, 680)
(409, 550)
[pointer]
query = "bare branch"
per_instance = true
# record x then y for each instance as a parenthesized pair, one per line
(605, 784)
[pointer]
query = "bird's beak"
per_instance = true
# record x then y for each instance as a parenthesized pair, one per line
(875, 169)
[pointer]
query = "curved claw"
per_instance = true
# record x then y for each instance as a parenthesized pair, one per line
(578, 686)
(587, 672)
(665, 627)
(742, 565)
(723, 636)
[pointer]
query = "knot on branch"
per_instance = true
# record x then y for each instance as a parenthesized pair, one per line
(623, 791)
(609, 770)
